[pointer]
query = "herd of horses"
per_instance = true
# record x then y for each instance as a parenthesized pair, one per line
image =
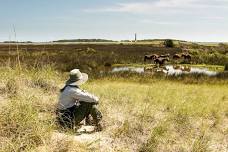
(161, 59)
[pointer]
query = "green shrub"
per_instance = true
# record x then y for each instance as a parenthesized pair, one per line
(169, 43)
(226, 67)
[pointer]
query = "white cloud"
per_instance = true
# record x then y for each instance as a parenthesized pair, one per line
(148, 7)
(149, 21)
(214, 18)
(174, 3)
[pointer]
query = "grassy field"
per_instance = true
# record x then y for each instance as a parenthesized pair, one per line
(139, 115)
(85, 56)
(93, 56)
(142, 112)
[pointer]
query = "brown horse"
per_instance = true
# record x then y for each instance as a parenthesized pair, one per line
(177, 56)
(164, 56)
(160, 61)
(150, 57)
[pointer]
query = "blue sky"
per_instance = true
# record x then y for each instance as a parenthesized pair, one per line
(47, 20)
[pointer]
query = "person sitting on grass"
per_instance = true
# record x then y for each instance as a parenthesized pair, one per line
(76, 105)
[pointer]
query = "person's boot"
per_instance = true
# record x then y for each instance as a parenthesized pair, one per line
(98, 127)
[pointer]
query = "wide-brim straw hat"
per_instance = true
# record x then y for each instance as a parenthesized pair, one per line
(77, 78)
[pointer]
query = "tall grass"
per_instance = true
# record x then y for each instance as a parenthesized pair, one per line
(20, 126)
(161, 115)
(27, 111)
(153, 115)
(17, 49)
(155, 137)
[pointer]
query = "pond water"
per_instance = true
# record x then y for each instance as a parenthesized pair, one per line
(169, 70)
(192, 70)
(131, 69)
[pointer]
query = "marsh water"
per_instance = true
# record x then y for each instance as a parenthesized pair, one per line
(169, 70)
(130, 69)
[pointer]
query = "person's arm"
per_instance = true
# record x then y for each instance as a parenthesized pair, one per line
(81, 95)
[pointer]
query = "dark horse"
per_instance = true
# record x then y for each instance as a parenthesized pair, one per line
(160, 61)
(186, 56)
(150, 57)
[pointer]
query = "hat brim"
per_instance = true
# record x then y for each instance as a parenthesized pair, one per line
(78, 82)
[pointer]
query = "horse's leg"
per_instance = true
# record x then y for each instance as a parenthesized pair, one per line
(152, 60)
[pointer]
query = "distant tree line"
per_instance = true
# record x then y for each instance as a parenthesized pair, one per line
(17, 42)
(85, 40)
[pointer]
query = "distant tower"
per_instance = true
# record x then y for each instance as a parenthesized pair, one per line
(135, 37)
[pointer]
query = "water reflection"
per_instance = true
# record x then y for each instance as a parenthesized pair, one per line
(131, 69)
(169, 70)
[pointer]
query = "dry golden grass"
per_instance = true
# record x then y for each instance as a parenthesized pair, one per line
(138, 116)
(181, 111)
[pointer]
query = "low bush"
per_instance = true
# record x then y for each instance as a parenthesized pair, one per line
(226, 67)
(169, 43)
